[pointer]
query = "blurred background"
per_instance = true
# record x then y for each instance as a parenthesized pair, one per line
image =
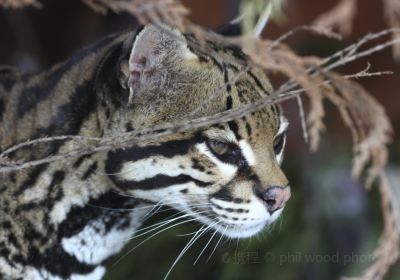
(331, 224)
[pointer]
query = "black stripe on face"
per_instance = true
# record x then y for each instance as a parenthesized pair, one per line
(235, 129)
(223, 194)
(278, 117)
(115, 159)
(236, 51)
(159, 182)
(226, 78)
(233, 156)
(277, 113)
(257, 81)
(248, 129)
(206, 57)
(229, 102)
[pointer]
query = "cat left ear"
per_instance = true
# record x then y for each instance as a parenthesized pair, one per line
(143, 56)
(151, 46)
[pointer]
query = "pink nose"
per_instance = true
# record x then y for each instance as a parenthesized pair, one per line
(276, 197)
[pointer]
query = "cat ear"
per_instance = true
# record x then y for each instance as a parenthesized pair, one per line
(151, 47)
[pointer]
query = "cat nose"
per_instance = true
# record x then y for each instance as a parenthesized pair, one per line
(275, 197)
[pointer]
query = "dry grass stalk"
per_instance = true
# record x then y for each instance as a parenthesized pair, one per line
(280, 59)
(302, 118)
(327, 32)
(342, 15)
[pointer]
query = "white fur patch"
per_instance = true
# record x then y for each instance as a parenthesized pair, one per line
(94, 244)
(279, 157)
(150, 167)
(75, 194)
(188, 55)
(90, 247)
(282, 128)
(169, 196)
(158, 165)
(247, 152)
(283, 124)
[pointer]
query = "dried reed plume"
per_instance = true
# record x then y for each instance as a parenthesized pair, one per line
(341, 17)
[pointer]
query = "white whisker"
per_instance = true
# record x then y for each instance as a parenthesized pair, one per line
(165, 223)
(188, 245)
(154, 210)
(216, 245)
(209, 241)
(194, 232)
(151, 236)
(156, 224)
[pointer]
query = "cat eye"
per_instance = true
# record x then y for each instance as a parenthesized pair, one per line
(278, 143)
(218, 147)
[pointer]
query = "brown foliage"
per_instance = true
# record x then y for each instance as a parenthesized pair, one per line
(171, 12)
(342, 15)
(19, 3)
(392, 15)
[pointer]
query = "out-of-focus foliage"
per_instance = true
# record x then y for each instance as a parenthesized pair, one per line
(252, 10)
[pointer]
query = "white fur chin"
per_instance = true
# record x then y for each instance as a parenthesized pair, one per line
(242, 232)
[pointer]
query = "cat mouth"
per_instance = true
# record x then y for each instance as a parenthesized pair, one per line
(232, 229)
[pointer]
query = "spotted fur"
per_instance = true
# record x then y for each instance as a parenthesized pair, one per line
(57, 220)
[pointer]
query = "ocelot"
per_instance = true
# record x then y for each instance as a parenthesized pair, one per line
(57, 219)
